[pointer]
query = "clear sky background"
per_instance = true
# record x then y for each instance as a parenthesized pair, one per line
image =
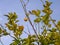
(15, 6)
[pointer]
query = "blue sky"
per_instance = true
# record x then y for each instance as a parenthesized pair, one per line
(15, 6)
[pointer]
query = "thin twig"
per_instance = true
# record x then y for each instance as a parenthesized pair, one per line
(12, 37)
(38, 28)
(42, 2)
(52, 21)
(2, 26)
(25, 32)
(28, 30)
(55, 24)
(35, 25)
(27, 2)
(25, 10)
(1, 41)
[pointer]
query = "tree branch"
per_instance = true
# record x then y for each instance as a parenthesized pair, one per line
(25, 10)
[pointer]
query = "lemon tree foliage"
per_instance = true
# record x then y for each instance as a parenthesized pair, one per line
(49, 35)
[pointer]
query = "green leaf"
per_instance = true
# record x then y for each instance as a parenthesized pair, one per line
(58, 23)
(16, 21)
(11, 16)
(48, 3)
(0, 30)
(36, 12)
(49, 25)
(5, 33)
(15, 42)
(44, 32)
(37, 20)
(53, 29)
(45, 19)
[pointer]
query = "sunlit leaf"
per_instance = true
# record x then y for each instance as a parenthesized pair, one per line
(20, 27)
